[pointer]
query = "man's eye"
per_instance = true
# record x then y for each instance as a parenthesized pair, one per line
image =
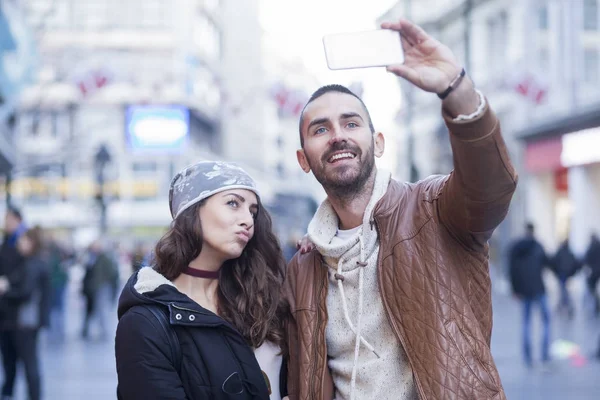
(320, 130)
(352, 125)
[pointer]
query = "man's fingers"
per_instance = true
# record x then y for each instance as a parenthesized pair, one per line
(404, 72)
(407, 42)
(412, 32)
(406, 45)
(395, 26)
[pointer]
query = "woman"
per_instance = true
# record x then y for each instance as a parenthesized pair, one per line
(216, 279)
(31, 298)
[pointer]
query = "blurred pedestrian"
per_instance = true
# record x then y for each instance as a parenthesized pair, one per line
(527, 260)
(138, 257)
(12, 272)
(206, 321)
(592, 260)
(565, 265)
(58, 259)
(31, 298)
(99, 287)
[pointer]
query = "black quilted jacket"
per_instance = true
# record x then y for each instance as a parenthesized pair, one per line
(216, 363)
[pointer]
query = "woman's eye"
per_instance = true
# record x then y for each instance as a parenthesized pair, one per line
(232, 203)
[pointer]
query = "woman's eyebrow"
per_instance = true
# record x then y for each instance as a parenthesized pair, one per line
(241, 198)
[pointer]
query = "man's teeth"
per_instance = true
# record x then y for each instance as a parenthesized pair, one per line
(341, 155)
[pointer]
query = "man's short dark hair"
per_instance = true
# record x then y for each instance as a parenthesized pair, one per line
(328, 89)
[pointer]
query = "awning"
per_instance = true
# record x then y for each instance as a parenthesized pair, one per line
(543, 155)
(583, 118)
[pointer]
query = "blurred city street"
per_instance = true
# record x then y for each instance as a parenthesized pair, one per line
(101, 103)
(77, 368)
(81, 369)
(562, 380)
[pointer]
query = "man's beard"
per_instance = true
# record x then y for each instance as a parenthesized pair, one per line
(345, 183)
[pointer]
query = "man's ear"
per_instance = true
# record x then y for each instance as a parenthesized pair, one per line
(302, 160)
(379, 144)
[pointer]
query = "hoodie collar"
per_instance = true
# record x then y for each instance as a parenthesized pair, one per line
(324, 225)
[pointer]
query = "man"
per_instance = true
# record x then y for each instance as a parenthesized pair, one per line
(100, 284)
(11, 274)
(527, 260)
(565, 265)
(394, 302)
(592, 260)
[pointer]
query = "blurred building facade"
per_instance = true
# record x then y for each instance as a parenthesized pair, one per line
(17, 56)
(289, 86)
(537, 61)
(159, 84)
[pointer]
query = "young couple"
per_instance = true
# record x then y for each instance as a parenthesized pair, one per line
(392, 301)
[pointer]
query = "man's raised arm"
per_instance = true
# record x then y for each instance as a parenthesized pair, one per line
(475, 198)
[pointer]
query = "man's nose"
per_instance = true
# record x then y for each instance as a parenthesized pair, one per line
(337, 135)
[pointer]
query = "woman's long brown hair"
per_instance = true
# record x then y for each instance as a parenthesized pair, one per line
(250, 287)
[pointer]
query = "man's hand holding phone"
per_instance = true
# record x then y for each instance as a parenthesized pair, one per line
(428, 64)
(407, 51)
(432, 67)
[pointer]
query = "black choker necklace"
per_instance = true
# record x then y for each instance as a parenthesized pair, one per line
(200, 273)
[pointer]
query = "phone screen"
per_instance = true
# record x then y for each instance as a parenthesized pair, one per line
(377, 48)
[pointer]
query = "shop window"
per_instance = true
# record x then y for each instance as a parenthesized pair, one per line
(591, 66)
(590, 15)
(543, 18)
(497, 40)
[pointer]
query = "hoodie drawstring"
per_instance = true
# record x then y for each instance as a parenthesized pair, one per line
(361, 265)
(357, 331)
(339, 277)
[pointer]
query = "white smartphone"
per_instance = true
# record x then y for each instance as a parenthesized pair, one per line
(377, 48)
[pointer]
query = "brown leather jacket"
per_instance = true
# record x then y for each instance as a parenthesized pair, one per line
(433, 275)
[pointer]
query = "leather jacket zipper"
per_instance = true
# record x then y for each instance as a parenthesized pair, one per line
(393, 324)
(316, 338)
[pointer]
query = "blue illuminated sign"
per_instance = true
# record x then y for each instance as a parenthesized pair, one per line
(157, 128)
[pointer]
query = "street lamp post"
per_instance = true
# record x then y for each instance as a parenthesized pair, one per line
(8, 186)
(413, 172)
(102, 159)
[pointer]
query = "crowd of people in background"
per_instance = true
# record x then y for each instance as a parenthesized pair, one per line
(35, 273)
(34, 277)
(527, 262)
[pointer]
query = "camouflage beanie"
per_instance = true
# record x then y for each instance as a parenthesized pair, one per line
(203, 179)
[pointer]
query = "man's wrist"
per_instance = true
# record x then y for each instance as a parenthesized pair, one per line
(453, 85)
(463, 100)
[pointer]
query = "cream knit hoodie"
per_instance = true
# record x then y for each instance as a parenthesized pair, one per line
(365, 358)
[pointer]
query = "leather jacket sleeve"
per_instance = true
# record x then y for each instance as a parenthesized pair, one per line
(475, 198)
